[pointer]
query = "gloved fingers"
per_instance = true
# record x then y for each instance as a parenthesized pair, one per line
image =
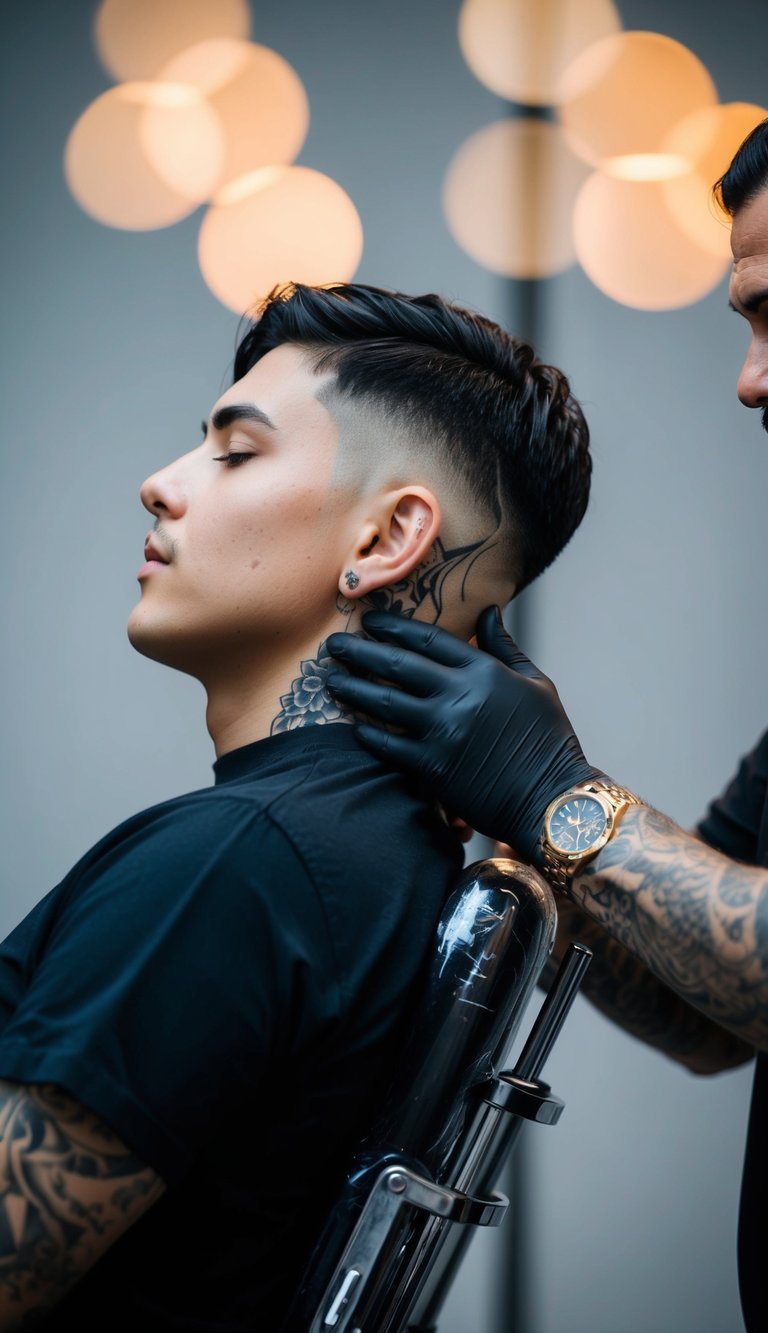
(381, 702)
(390, 662)
(400, 751)
(494, 639)
(429, 640)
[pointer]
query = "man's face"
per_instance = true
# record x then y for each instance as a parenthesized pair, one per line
(749, 296)
(249, 536)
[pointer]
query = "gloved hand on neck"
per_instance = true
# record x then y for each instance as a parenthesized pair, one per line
(482, 727)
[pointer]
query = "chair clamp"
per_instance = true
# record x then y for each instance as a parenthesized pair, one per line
(518, 1096)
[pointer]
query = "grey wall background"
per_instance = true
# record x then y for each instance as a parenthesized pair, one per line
(112, 349)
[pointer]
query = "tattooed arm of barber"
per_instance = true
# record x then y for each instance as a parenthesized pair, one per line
(627, 992)
(486, 729)
(695, 918)
(68, 1189)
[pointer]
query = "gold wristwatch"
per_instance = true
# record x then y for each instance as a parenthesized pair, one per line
(578, 824)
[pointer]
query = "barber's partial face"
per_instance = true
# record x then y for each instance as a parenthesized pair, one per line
(749, 296)
(248, 531)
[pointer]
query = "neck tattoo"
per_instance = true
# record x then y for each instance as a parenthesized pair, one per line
(308, 703)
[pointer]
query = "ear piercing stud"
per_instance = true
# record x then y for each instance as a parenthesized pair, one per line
(351, 579)
(421, 523)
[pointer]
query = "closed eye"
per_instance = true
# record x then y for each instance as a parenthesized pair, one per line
(234, 459)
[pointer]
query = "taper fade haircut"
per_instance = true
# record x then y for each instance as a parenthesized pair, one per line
(503, 420)
(747, 176)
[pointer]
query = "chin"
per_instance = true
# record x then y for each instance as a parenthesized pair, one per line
(195, 651)
(154, 641)
(149, 645)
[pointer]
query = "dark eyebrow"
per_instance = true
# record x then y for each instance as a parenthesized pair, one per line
(752, 304)
(225, 416)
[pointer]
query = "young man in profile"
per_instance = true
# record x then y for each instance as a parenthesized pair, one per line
(195, 1024)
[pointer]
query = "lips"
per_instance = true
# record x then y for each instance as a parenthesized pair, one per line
(153, 554)
(154, 557)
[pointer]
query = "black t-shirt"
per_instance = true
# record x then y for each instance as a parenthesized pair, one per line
(737, 824)
(223, 980)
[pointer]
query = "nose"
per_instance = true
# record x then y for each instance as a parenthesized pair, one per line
(163, 493)
(752, 387)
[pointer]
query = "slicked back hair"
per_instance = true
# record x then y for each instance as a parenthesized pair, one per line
(747, 176)
(503, 420)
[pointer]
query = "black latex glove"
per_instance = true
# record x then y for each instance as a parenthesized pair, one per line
(484, 729)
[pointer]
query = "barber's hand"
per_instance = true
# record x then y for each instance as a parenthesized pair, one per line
(484, 729)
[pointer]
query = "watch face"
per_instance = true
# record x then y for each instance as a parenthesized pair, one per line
(577, 825)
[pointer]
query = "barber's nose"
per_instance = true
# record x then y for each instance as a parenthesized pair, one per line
(164, 494)
(752, 387)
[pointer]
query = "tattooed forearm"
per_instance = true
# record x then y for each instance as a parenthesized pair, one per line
(68, 1189)
(623, 989)
(696, 919)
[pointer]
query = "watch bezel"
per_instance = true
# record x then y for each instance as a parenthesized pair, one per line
(574, 858)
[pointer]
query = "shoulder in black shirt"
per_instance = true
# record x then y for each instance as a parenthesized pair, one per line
(224, 980)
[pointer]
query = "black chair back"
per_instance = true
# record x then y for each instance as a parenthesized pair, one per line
(424, 1175)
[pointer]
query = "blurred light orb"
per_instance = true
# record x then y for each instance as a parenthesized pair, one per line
(258, 98)
(646, 166)
(630, 247)
(278, 224)
(624, 95)
(508, 198)
(708, 140)
(135, 38)
(520, 48)
(108, 161)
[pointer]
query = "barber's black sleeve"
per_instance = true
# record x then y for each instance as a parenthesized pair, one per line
(735, 822)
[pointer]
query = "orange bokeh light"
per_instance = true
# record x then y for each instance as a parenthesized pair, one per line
(110, 171)
(508, 198)
(520, 48)
(258, 98)
(135, 38)
(624, 95)
(708, 139)
(275, 225)
(628, 244)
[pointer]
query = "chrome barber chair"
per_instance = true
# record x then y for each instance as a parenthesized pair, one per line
(426, 1174)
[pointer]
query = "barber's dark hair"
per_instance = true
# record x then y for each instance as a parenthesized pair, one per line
(503, 420)
(747, 176)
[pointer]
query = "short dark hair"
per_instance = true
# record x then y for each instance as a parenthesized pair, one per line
(504, 420)
(747, 175)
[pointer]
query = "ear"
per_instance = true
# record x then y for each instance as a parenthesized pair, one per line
(396, 536)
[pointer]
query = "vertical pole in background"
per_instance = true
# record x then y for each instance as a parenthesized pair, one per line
(514, 1297)
(525, 319)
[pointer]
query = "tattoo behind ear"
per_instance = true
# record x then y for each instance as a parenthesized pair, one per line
(426, 583)
(309, 703)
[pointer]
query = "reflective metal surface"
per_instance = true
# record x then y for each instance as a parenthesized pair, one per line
(424, 1174)
(494, 938)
